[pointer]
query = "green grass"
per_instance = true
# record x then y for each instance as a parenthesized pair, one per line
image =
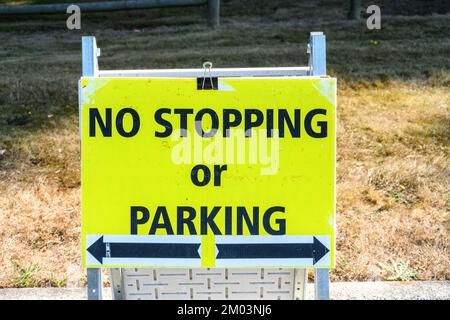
(399, 270)
(25, 275)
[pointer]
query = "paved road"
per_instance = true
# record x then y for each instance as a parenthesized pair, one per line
(423, 290)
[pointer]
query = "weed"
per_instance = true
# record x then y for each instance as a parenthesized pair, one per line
(25, 275)
(398, 270)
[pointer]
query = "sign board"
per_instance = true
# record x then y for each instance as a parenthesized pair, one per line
(237, 172)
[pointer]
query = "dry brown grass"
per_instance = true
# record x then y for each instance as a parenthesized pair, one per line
(393, 181)
(393, 168)
(39, 201)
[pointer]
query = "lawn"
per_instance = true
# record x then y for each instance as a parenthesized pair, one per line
(393, 148)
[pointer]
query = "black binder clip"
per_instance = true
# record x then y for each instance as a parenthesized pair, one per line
(207, 83)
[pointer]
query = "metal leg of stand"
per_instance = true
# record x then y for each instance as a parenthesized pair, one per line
(301, 280)
(90, 69)
(115, 279)
(318, 67)
(94, 284)
(322, 284)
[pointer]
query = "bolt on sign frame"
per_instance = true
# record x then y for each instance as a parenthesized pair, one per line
(216, 283)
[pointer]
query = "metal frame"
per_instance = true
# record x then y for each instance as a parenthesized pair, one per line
(215, 72)
(317, 67)
(117, 290)
(90, 53)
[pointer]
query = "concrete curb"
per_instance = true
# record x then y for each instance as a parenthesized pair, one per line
(415, 290)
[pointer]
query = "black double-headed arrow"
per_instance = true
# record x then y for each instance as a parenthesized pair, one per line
(315, 250)
(144, 250)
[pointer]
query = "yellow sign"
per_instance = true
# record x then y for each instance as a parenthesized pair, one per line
(237, 173)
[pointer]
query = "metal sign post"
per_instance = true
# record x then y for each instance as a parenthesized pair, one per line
(90, 69)
(318, 68)
(216, 283)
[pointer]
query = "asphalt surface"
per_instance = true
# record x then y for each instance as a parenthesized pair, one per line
(423, 290)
